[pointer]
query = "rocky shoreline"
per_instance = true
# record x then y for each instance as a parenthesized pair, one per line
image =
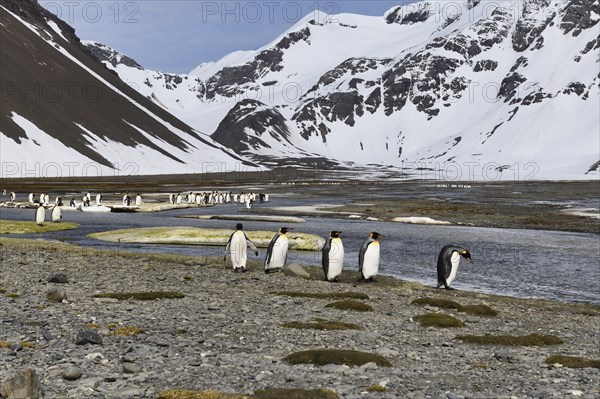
(226, 333)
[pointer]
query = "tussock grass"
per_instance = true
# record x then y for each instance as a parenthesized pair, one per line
(13, 295)
(437, 302)
(295, 393)
(4, 345)
(376, 388)
(142, 296)
(438, 320)
(187, 394)
(574, 362)
(27, 344)
(478, 310)
(323, 295)
(322, 325)
(350, 304)
(512, 340)
(321, 357)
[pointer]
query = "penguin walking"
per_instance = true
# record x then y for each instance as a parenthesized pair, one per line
(368, 258)
(333, 257)
(138, 200)
(238, 244)
(40, 215)
(13, 197)
(58, 201)
(447, 264)
(127, 199)
(277, 251)
(31, 198)
(56, 213)
(98, 199)
(72, 203)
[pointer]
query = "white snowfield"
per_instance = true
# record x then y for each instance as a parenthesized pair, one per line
(478, 133)
(41, 155)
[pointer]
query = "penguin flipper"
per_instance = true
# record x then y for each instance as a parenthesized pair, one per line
(251, 245)
(361, 255)
(227, 246)
(325, 258)
(270, 248)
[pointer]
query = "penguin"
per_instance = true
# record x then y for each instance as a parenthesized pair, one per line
(98, 199)
(31, 198)
(72, 203)
(56, 213)
(368, 258)
(447, 264)
(333, 257)
(138, 200)
(13, 197)
(40, 215)
(277, 251)
(127, 199)
(238, 243)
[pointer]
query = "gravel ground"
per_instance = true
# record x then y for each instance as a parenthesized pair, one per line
(227, 334)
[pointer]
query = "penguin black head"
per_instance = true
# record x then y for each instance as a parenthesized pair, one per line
(374, 235)
(284, 230)
(239, 226)
(466, 254)
(335, 234)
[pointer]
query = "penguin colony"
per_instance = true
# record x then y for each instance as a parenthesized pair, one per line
(276, 257)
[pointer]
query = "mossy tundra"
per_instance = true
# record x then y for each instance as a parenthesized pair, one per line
(440, 320)
(23, 227)
(512, 340)
(350, 304)
(142, 296)
(321, 357)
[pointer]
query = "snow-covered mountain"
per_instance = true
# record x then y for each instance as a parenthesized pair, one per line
(63, 113)
(482, 89)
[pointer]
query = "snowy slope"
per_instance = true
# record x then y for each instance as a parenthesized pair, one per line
(72, 116)
(474, 89)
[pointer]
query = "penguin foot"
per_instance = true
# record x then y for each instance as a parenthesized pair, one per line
(450, 288)
(235, 270)
(244, 270)
(370, 280)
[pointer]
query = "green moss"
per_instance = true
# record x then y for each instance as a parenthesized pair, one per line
(322, 325)
(323, 295)
(437, 302)
(438, 320)
(4, 345)
(573, 362)
(200, 236)
(21, 227)
(321, 357)
(13, 295)
(479, 310)
(350, 304)
(142, 296)
(2, 290)
(295, 393)
(376, 388)
(27, 344)
(512, 340)
(187, 394)
(187, 278)
(127, 331)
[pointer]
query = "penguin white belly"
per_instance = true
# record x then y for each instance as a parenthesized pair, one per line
(56, 214)
(336, 259)
(279, 254)
(40, 215)
(454, 260)
(371, 261)
(238, 250)
(138, 201)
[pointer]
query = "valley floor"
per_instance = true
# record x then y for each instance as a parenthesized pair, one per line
(227, 332)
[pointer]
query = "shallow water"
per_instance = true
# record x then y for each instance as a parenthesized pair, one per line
(526, 263)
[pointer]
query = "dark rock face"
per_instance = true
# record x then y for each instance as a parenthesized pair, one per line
(578, 16)
(485, 65)
(575, 87)
(536, 97)
(410, 15)
(227, 82)
(528, 28)
(509, 86)
(103, 53)
(254, 116)
(522, 61)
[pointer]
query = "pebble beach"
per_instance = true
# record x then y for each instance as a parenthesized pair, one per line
(230, 332)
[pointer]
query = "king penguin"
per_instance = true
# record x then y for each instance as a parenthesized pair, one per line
(447, 264)
(277, 251)
(368, 258)
(40, 215)
(56, 213)
(333, 256)
(238, 244)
